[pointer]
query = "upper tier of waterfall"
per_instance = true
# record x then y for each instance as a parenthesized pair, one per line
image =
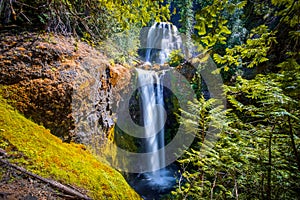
(162, 39)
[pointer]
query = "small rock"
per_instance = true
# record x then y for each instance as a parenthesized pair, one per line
(30, 197)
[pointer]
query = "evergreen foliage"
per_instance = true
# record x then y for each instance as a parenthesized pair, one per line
(256, 155)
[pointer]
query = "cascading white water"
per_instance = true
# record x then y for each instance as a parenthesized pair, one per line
(154, 115)
(162, 39)
(152, 101)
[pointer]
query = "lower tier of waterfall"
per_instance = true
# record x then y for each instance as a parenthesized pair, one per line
(159, 179)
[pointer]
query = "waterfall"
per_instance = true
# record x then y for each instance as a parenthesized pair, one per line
(152, 102)
(162, 39)
(153, 117)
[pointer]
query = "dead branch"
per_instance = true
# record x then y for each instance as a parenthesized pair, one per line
(53, 183)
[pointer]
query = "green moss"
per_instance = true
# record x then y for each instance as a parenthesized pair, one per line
(46, 155)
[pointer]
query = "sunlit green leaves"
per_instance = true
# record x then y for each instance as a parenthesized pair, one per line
(211, 22)
(251, 53)
(201, 27)
(101, 18)
(289, 10)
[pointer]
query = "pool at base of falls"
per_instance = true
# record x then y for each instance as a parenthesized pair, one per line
(153, 185)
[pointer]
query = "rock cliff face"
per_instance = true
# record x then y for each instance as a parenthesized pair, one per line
(52, 79)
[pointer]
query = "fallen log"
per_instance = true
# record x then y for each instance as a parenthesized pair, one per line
(53, 183)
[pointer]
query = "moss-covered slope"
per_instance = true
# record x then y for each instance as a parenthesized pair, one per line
(46, 155)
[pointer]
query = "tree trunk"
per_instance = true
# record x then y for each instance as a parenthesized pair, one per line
(269, 192)
(53, 183)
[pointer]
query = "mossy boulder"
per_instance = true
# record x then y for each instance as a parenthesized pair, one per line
(39, 72)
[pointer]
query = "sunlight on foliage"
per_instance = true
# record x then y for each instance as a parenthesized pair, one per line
(46, 155)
